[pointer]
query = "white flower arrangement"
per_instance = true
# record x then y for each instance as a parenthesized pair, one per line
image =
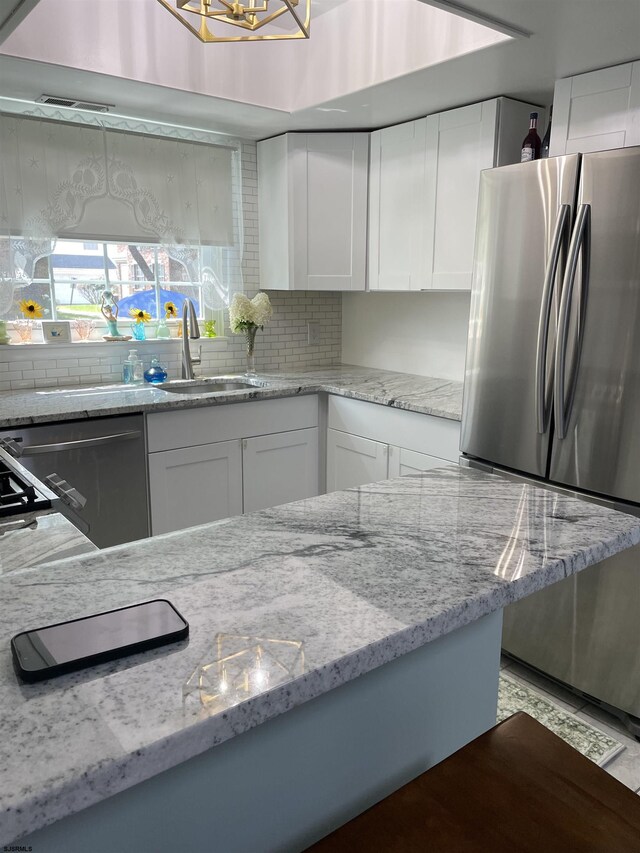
(246, 316)
(245, 313)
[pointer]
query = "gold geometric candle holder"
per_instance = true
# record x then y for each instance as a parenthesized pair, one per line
(241, 667)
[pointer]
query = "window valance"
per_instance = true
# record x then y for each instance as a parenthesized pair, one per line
(62, 180)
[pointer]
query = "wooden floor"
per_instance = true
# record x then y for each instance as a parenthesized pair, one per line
(494, 795)
(626, 766)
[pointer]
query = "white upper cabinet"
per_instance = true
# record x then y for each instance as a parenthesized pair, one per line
(312, 198)
(423, 199)
(460, 144)
(397, 207)
(597, 111)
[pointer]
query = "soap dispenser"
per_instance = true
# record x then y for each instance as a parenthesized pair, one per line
(138, 370)
(132, 368)
(156, 373)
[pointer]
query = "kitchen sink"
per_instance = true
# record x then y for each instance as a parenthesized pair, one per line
(211, 385)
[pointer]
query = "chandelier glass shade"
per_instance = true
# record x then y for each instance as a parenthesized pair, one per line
(252, 20)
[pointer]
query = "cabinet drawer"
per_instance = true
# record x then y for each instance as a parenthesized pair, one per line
(223, 422)
(424, 433)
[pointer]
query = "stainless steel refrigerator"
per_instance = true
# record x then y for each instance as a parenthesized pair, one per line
(552, 392)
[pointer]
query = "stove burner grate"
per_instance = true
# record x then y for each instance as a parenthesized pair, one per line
(17, 495)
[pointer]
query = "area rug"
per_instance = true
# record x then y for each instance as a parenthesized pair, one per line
(515, 696)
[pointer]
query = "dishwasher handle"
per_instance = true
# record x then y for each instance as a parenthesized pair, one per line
(12, 446)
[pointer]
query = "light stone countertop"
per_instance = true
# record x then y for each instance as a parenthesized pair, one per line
(357, 577)
(439, 397)
(37, 538)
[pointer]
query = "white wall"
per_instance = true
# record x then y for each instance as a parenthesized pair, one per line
(423, 333)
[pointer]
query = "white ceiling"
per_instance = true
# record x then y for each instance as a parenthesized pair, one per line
(358, 70)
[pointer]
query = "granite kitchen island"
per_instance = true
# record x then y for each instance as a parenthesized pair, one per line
(378, 613)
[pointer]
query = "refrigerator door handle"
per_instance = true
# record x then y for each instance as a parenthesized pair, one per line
(558, 242)
(579, 242)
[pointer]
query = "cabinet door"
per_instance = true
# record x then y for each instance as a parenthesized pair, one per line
(280, 468)
(397, 207)
(354, 461)
(195, 485)
(403, 461)
(460, 144)
(433, 436)
(328, 216)
(597, 111)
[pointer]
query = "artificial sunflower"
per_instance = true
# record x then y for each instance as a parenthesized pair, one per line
(30, 308)
(170, 310)
(139, 315)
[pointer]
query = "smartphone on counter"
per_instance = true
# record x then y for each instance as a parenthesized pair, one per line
(68, 646)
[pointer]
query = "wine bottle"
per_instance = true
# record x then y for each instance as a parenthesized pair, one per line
(531, 142)
(544, 148)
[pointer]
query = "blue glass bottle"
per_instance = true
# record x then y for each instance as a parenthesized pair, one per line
(156, 373)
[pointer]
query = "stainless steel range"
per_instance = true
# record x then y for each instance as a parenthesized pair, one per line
(20, 492)
(23, 494)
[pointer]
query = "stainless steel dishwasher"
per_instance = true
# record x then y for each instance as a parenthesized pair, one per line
(105, 460)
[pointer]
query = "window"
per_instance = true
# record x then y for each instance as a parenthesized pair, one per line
(88, 198)
(68, 281)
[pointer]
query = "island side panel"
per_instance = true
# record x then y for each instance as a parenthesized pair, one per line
(288, 782)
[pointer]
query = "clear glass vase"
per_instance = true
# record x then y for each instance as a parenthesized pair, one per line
(24, 328)
(163, 330)
(250, 335)
(83, 328)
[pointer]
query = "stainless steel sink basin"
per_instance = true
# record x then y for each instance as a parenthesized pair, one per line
(211, 385)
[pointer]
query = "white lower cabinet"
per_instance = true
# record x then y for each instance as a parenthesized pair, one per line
(195, 485)
(364, 442)
(278, 469)
(403, 461)
(353, 460)
(259, 460)
(266, 453)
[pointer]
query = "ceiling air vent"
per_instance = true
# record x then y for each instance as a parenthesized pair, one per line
(55, 101)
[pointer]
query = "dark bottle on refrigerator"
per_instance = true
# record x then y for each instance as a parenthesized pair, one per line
(531, 142)
(544, 148)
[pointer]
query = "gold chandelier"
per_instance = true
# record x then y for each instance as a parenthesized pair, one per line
(249, 16)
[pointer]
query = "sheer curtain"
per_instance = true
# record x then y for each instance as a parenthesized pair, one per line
(71, 181)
